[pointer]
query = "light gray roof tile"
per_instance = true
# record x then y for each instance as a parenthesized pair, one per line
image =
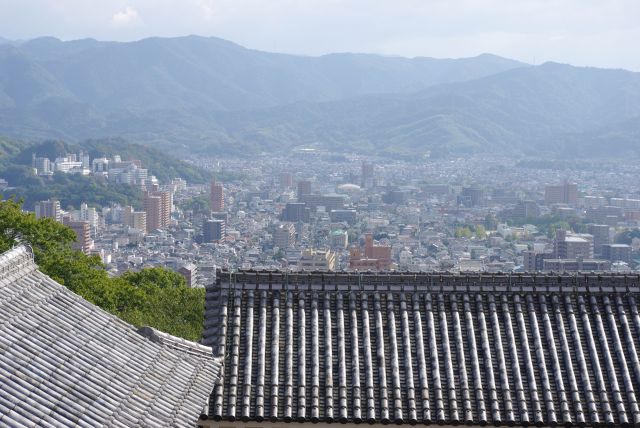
(65, 362)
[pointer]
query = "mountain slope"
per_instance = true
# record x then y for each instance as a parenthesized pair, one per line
(212, 96)
(215, 74)
(523, 110)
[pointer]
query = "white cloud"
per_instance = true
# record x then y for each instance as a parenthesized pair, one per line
(207, 8)
(127, 17)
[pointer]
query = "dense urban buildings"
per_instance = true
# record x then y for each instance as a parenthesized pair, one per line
(456, 216)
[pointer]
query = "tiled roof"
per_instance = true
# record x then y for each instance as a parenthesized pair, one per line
(423, 348)
(65, 362)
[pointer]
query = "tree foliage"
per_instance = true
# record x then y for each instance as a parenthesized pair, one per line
(155, 296)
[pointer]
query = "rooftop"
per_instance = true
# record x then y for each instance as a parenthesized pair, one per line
(66, 362)
(426, 348)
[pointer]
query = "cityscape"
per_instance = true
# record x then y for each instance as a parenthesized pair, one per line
(321, 211)
(299, 213)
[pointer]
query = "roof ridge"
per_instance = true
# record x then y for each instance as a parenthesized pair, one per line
(17, 261)
(174, 342)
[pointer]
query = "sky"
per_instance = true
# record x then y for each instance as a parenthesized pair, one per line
(599, 33)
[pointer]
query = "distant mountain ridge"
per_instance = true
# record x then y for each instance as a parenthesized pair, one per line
(210, 96)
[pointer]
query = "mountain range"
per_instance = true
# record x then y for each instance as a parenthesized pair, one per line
(210, 96)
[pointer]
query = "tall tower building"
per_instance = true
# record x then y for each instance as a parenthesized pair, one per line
(304, 188)
(83, 234)
(49, 208)
(213, 230)
(217, 196)
(157, 206)
(366, 174)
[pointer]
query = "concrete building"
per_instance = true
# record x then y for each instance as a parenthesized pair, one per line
(374, 256)
(569, 245)
(601, 236)
(329, 202)
(134, 219)
(339, 239)
(49, 208)
(190, 274)
(471, 197)
(286, 180)
(213, 230)
(533, 261)
(82, 230)
(284, 236)
(217, 196)
(576, 265)
(367, 175)
(304, 188)
(566, 193)
(348, 216)
(296, 212)
(617, 252)
(317, 260)
(157, 205)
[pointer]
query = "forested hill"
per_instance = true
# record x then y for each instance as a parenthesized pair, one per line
(209, 96)
(165, 167)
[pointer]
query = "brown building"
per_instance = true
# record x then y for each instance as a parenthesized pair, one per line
(286, 179)
(217, 196)
(83, 234)
(375, 257)
(157, 205)
(566, 193)
(304, 188)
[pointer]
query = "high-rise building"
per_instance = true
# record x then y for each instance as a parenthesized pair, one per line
(83, 234)
(601, 236)
(157, 205)
(135, 219)
(295, 212)
(366, 174)
(304, 188)
(566, 193)
(573, 245)
(284, 236)
(213, 230)
(286, 180)
(471, 196)
(217, 196)
(329, 202)
(49, 208)
(42, 165)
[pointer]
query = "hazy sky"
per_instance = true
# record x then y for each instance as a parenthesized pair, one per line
(602, 33)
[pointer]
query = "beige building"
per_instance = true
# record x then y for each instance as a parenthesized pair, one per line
(135, 219)
(49, 208)
(83, 234)
(157, 206)
(217, 196)
(284, 236)
(317, 260)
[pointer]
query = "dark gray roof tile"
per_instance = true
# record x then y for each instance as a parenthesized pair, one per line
(422, 348)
